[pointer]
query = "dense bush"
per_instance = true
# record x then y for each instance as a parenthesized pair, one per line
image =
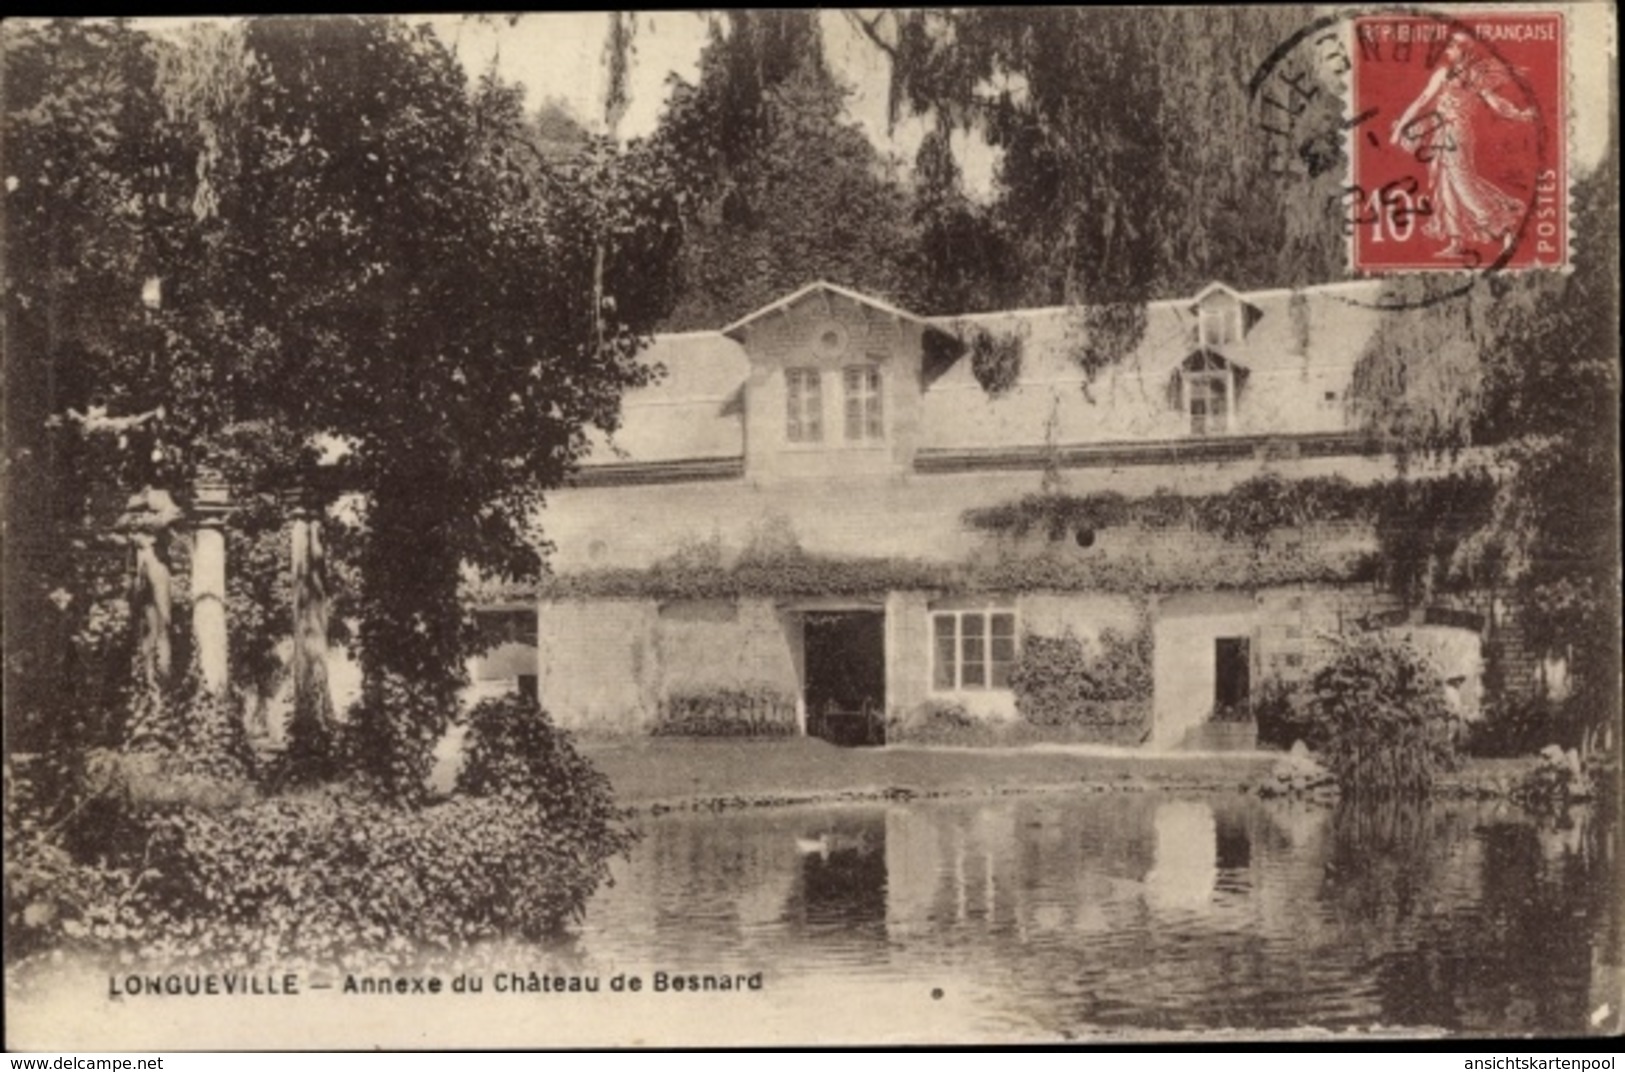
(1060, 681)
(1521, 725)
(1281, 709)
(724, 711)
(1381, 720)
(514, 751)
(336, 875)
(938, 722)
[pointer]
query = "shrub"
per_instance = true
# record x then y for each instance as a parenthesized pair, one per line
(940, 722)
(514, 751)
(337, 877)
(1059, 682)
(1557, 779)
(946, 722)
(1281, 709)
(723, 711)
(1381, 720)
(1520, 726)
(334, 875)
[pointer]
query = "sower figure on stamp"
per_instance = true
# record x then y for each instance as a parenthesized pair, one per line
(1439, 127)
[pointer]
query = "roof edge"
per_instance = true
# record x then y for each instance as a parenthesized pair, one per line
(821, 284)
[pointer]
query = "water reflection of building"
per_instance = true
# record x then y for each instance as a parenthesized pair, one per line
(1186, 867)
(1135, 910)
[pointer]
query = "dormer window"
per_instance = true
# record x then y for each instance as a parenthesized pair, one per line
(1207, 386)
(865, 418)
(1218, 323)
(1207, 399)
(804, 403)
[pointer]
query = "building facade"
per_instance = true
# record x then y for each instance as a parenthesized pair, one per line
(834, 508)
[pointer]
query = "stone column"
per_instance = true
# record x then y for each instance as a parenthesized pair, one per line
(210, 506)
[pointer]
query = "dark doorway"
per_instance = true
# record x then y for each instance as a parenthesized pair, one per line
(1233, 670)
(846, 676)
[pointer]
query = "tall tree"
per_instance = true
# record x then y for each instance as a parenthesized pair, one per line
(1527, 368)
(366, 248)
(1124, 172)
(460, 372)
(95, 176)
(784, 189)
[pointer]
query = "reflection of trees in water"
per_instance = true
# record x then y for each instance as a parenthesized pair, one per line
(1149, 910)
(713, 877)
(1469, 925)
(1380, 867)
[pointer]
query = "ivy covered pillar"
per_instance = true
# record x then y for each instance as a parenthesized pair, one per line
(312, 727)
(211, 504)
(146, 522)
(215, 730)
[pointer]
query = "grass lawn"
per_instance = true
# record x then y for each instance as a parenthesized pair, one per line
(742, 772)
(767, 771)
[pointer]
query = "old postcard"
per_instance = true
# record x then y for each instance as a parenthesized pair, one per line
(815, 527)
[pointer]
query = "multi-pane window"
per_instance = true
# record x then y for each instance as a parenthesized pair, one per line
(1207, 398)
(1219, 324)
(805, 405)
(864, 418)
(974, 649)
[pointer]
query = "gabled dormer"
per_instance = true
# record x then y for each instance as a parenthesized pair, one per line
(1223, 317)
(834, 384)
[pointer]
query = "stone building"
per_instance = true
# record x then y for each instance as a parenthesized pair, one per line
(788, 515)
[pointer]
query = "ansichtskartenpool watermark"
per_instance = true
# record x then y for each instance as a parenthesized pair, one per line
(1538, 1064)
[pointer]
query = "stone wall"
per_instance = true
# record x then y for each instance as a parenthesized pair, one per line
(605, 666)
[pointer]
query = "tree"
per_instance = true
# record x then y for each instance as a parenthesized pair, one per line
(1120, 178)
(94, 182)
(353, 244)
(784, 189)
(1526, 368)
(399, 273)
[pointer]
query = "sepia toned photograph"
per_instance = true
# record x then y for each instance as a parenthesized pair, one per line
(812, 527)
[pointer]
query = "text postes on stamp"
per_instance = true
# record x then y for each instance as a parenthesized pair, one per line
(1458, 156)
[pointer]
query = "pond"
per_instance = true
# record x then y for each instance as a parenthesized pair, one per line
(1124, 913)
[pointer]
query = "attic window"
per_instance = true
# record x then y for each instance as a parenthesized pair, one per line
(830, 339)
(1218, 323)
(1207, 400)
(1208, 391)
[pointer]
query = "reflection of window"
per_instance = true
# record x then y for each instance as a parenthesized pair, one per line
(805, 405)
(974, 649)
(1219, 324)
(863, 412)
(1207, 399)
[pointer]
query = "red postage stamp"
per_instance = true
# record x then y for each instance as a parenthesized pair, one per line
(1458, 157)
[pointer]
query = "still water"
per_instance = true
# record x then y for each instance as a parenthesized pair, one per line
(1125, 913)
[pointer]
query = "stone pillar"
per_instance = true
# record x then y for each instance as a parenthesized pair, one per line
(211, 504)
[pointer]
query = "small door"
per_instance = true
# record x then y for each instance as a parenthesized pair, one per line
(1232, 658)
